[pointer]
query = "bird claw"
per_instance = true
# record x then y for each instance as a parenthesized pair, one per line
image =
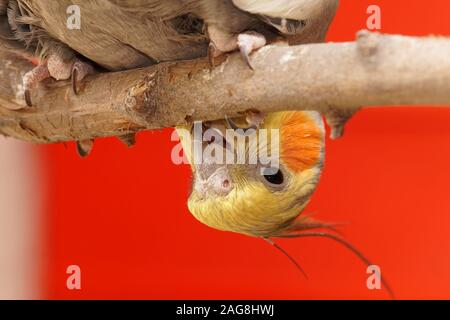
(222, 41)
(79, 71)
(246, 56)
(249, 42)
(74, 81)
(84, 147)
(27, 95)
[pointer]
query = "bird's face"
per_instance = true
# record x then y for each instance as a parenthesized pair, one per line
(252, 199)
(263, 196)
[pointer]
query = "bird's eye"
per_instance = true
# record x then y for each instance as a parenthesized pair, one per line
(273, 176)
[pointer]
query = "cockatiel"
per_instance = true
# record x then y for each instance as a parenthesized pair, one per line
(125, 34)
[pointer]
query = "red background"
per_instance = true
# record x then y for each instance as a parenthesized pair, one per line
(121, 214)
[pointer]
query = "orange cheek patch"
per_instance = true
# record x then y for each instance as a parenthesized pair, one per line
(301, 141)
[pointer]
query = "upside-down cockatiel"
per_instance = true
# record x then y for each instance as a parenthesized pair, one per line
(253, 199)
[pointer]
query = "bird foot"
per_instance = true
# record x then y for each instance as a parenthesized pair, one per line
(222, 42)
(58, 68)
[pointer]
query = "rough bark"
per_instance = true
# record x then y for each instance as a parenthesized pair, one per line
(335, 77)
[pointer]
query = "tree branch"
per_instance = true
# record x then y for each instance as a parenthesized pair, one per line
(374, 70)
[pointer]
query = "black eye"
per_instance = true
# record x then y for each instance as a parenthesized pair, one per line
(275, 178)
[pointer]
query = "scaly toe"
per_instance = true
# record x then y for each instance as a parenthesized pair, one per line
(31, 79)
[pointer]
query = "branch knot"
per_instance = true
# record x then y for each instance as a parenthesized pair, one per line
(140, 101)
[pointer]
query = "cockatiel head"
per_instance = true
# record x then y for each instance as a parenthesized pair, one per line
(259, 199)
